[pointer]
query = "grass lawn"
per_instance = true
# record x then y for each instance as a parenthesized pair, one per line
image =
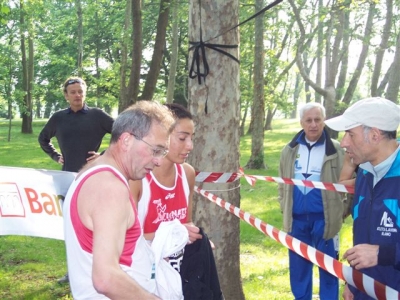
(30, 266)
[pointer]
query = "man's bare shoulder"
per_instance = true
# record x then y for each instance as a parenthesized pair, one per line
(104, 185)
(103, 196)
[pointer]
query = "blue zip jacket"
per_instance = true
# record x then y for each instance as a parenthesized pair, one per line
(376, 215)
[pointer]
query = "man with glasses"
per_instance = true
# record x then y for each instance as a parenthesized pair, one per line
(106, 253)
(79, 130)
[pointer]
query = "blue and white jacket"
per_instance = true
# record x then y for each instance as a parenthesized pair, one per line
(376, 214)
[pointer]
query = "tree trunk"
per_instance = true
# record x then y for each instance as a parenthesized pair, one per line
(174, 53)
(27, 70)
(392, 92)
(320, 37)
(344, 64)
(123, 95)
(296, 96)
(256, 160)
(154, 71)
(363, 55)
(382, 48)
(80, 36)
(134, 80)
(217, 134)
(245, 109)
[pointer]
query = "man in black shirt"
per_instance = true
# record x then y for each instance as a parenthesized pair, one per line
(79, 130)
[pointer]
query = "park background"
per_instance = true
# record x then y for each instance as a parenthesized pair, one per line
(329, 51)
(30, 266)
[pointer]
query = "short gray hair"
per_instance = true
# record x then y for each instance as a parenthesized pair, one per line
(390, 135)
(311, 105)
(138, 118)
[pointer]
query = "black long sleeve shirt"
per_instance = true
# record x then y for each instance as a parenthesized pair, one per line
(77, 133)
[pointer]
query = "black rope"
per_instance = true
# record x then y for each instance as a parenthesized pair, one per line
(269, 6)
(199, 54)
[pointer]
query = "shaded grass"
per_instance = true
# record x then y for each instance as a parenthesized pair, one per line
(31, 265)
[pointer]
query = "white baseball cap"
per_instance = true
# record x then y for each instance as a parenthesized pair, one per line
(372, 112)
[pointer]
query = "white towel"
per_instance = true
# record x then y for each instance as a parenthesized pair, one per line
(169, 238)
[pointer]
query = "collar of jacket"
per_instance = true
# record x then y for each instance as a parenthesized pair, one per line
(329, 147)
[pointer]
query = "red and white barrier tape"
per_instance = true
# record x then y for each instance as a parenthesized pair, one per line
(216, 177)
(352, 276)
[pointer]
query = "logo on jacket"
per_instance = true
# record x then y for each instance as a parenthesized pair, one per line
(297, 165)
(386, 220)
(386, 225)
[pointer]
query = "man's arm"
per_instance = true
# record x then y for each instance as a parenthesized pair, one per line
(44, 139)
(106, 121)
(105, 208)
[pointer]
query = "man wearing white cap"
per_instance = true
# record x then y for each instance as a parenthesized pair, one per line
(370, 127)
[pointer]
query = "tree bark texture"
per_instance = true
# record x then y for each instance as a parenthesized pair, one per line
(216, 143)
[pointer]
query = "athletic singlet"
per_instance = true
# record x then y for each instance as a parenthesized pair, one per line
(159, 203)
(136, 258)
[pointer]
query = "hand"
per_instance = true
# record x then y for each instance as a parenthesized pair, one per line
(362, 256)
(347, 294)
(93, 155)
(193, 232)
(60, 160)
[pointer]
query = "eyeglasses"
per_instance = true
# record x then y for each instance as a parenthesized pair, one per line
(157, 152)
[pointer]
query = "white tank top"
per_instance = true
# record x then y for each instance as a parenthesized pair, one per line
(140, 265)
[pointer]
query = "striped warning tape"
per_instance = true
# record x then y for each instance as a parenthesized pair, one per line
(216, 177)
(352, 276)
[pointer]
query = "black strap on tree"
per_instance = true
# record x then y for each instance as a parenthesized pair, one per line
(199, 48)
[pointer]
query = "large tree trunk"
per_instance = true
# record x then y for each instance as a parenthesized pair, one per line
(154, 71)
(217, 134)
(256, 160)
